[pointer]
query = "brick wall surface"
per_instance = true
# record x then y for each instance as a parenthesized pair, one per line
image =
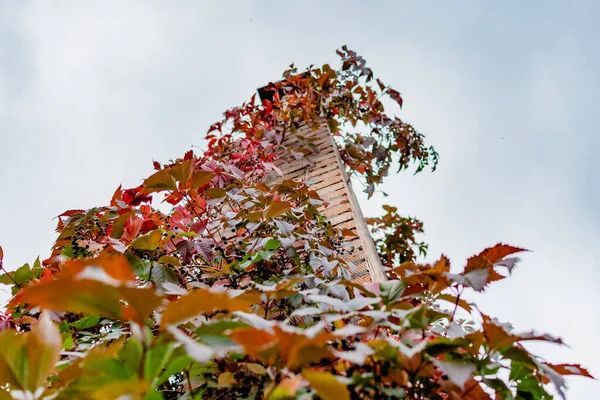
(324, 173)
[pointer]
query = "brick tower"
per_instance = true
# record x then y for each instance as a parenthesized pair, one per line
(324, 172)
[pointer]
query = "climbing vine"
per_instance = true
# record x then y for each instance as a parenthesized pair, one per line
(242, 289)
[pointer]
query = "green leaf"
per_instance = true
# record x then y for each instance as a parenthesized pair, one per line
(37, 269)
(443, 345)
(219, 327)
(141, 268)
(131, 354)
(533, 388)
(272, 244)
(6, 279)
(153, 395)
(150, 241)
(176, 365)
(23, 275)
(163, 273)
(395, 393)
(499, 387)
(216, 334)
(392, 291)
(86, 322)
(156, 359)
(520, 371)
(118, 226)
(249, 260)
(161, 180)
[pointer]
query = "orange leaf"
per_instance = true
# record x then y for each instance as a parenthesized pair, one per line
(499, 251)
(570, 369)
(114, 265)
(93, 297)
(202, 301)
(253, 340)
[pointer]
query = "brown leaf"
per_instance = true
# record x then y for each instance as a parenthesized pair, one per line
(159, 181)
(182, 171)
(201, 178)
(277, 208)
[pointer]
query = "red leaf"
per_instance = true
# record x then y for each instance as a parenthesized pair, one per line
(156, 165)
(395, 96)
(135, 197)
(70, 213)
(118, 195)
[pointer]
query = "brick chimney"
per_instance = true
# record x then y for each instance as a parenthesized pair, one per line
(323, 171)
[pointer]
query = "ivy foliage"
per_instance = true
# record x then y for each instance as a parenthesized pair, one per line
(242, 290)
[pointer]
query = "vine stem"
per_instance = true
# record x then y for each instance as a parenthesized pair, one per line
(9, 275)
(456, 304)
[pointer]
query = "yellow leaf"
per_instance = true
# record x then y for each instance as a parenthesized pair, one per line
(327, 386)
(170, 260)
(226, 379)
(26, 359)
(256, 368)
(43, 350)
(121, 390)
(286, 389)
(214, 193)
(13, 362)
(150, 241)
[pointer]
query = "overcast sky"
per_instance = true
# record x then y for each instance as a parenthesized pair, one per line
(508, 92)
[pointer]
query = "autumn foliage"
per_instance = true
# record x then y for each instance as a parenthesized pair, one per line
(218, 279)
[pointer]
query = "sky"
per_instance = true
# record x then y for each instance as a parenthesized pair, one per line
(92, 92)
